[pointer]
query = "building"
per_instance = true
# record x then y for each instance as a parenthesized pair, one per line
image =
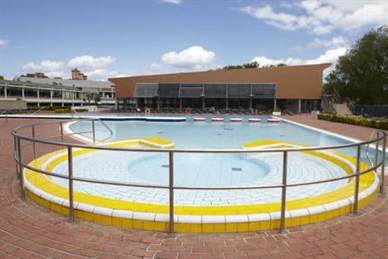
(292, 88)
(56, 92)
(36, 75)
(77, 75)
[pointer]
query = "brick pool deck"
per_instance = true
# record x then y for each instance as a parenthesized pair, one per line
(29, 231)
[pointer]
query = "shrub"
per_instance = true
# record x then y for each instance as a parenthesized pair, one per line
(81, 110)
(355, 120)
(62, 110)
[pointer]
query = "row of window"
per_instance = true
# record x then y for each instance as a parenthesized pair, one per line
(205, 90)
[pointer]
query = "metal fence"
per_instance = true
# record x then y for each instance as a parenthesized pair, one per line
(370, 110)
(25, 136)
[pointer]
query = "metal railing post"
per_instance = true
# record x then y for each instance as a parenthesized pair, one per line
(171, 191)
(357, 180)
(377, 149)
(21, 175)
(70, 178)
(284, 194)
(33, 143)
(383, 164)
(16, 156)
(94, 132)
(61, 129)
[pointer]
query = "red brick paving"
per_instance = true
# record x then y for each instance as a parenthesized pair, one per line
(29, 231)
(353, 131)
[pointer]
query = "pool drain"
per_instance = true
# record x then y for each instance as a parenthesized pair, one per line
(238, 169)
(165, 166)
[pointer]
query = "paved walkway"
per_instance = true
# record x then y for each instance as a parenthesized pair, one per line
(29, 231)
(352, 131)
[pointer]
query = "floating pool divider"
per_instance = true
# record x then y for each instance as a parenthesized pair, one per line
(218, 119)
(199, 119)
(193, 218)
(273, 120)
(235, 119)
(255, 120)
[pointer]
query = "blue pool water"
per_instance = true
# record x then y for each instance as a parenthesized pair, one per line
(211, 135)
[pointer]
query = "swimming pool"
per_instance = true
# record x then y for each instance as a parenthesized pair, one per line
(211, 170)
(211, 190)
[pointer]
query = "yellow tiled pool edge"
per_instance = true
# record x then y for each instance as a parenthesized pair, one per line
(367, 181)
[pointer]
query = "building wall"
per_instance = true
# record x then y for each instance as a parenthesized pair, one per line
(293, 82)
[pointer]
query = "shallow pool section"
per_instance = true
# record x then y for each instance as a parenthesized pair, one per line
(196, 170)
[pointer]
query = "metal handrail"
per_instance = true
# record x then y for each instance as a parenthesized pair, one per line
(375, 134)
(381, 136)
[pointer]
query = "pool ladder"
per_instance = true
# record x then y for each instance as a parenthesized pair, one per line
(105, 126)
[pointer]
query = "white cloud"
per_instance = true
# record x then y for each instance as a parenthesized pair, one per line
(332, 43)
(49, 67)
(96, 68)
(330, 56)
(280, 20)
(3, 43)
(101, 74)
(195, 57)
(91, 62)
(175, 2)
(324, 16)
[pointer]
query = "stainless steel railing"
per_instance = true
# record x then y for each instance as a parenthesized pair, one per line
(51, 141)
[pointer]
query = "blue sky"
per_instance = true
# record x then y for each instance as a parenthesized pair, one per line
(128, 37)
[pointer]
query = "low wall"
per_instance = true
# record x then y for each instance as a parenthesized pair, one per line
(13, 105)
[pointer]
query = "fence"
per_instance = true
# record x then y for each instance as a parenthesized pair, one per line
(25, 136)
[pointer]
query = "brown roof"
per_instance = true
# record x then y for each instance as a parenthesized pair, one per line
(293, 82)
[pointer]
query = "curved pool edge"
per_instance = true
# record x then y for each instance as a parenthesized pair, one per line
(204, 223)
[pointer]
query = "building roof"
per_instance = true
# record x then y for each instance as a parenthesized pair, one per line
(292, 82)
(67, 82)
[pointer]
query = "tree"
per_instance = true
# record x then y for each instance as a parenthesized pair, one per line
(361, 75)
(1, 77)
(253, 64)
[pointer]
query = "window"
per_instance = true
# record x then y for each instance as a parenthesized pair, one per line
(168, 90)
(263, 91)
(239, 90)
(146, 90)
(191, 91)
(215, 90)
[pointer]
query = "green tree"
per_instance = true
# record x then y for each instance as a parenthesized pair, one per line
(361, 76)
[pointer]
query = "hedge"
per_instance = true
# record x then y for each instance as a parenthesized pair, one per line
(62, 110)
(81, 110)
(355, 120)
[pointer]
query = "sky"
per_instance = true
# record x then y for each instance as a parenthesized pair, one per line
(113, 38)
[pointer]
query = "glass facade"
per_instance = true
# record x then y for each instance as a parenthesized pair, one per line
(191, 91)
(214, 96)
(146, 90)
(168, 90)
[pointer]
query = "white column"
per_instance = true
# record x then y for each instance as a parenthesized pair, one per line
(38, 96)
(5, 92)
(299, 105)
(51, 97)
(63, 98)
(275, 103)
(23, 92)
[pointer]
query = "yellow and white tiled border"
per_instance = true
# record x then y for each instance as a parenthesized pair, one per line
(242, 218)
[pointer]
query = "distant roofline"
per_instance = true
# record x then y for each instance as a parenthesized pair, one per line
(325, 65)
(62, 79)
